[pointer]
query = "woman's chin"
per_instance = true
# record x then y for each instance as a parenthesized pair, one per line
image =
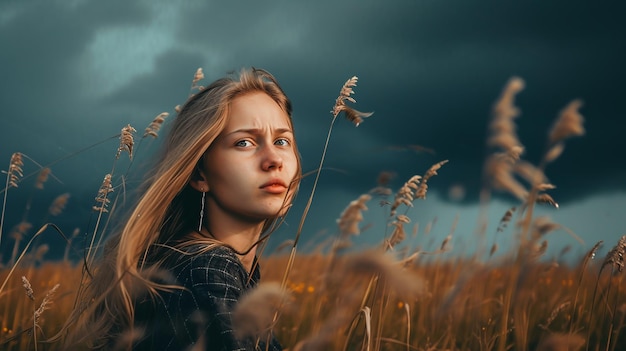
(275, 212)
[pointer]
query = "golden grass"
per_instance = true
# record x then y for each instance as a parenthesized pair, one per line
(459, 309)
(453, 304)
(39, 303)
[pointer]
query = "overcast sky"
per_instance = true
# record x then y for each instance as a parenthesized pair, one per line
(74, 72)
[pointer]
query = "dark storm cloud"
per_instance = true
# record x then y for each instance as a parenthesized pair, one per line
(42, 43)
(432, 71)
(429, 69)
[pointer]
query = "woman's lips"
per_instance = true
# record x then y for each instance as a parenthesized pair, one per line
(274, 186)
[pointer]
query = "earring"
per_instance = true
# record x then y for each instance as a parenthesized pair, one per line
(202, 211)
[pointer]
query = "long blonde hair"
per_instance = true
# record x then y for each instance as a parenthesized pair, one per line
(168, 208)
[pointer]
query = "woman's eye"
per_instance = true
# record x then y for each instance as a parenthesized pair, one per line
(243, 143)
(282, 142)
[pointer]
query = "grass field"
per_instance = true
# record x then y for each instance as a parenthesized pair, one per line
(436, 305)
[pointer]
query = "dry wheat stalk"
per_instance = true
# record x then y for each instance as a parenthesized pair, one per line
(45, 303)
(13, 177)
(29, 288)
(404, 263)
(500, 166)
(568, 124)
(506, 218)
(529, 172)
(382, 186)
(420, 193)
(539, 249)
(197, 77)
(285, 244)
(68, 246)
(40, 252)
(127, 141)
(546, 199)
(352, 215)
(367, 313)
(323, 338)
(554, 314)
(104, 190)
(354, 116)
(542, 226)
(502, 128)
(406, 194)
(592, 253)
(398, 235)
(499, 170)
(382, 265)
(15, 169)
(565, 250)
(381, 191)
(429, 226)
(20, 230)
(545, 186)
(254, 313)
(351, 114)
(154, 127)
(384, 178)
(554, 152)
(42, 177)
(403, 219)
(615, 257)
(493, 249)
(445, 244)
(58, 205)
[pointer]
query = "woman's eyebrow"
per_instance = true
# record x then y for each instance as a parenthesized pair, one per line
(257, 131)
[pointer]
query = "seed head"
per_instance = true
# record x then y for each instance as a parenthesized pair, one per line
(423, 187)
(103, 192)
(42, 177)
(28, 288)
(127, 141)
(406, 194)
(351, 217)
(615, 256)
(58, 205)
(154, 127)
(351, 114)
(568, 124)
(15, 169)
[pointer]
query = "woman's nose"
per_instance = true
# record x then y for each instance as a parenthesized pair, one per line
(271, 159)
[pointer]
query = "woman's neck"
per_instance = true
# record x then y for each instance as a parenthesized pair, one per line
(242, 238)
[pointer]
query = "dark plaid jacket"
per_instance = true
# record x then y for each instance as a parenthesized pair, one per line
(200, 315)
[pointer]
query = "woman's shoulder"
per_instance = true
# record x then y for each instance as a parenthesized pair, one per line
(196, 259)
(200, 254)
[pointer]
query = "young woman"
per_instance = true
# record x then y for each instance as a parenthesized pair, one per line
(169, 280)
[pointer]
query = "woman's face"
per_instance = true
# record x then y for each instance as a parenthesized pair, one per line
(250, 166)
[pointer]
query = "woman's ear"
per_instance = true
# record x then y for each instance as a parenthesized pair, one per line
(198, 180)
